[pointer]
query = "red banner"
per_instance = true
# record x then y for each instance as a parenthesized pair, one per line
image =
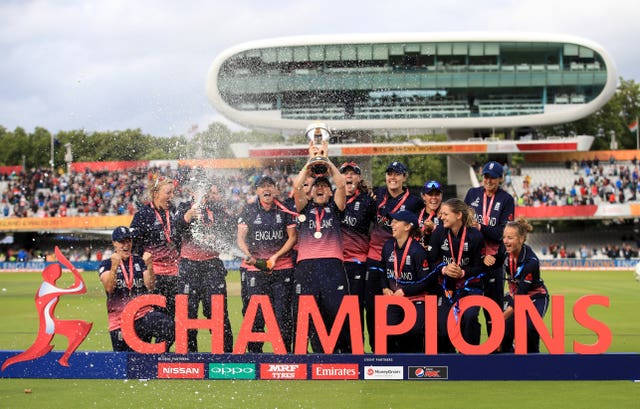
(552, 212)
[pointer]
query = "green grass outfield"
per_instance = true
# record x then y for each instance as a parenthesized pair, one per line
(18, 328)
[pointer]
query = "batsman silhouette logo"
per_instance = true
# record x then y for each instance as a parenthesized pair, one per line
(46, 300)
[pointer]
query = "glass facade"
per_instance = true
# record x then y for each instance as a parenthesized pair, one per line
(411, 80)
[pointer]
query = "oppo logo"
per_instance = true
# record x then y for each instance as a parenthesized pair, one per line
(232, 371)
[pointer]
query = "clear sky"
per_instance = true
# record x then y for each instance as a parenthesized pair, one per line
(117, 64)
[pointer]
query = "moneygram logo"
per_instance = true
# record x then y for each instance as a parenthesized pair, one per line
(232, 371)
(283, 371)
(428, 372)
(383, 372)
(180, 370)
(334, 371)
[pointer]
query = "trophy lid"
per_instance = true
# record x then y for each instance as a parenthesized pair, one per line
(318, 131)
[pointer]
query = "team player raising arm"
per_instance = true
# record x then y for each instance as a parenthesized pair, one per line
(320, 270)
(359, 213)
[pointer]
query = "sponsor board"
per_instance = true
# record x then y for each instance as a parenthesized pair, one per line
(334, 371)
(283, 371)
(428, 372)
(383, 372)
(232, 371)
(180, 370)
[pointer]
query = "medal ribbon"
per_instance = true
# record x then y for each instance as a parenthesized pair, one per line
(128, 275)
(420, 218)
(210, 219)
(319, 217)
(165, 227)
(400, 203)
(397, 268)
(460, 246)
(485, 210)
(284, 209)
(355, 195)
(449, 293)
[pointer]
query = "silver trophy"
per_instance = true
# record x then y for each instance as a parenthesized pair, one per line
(318, 134)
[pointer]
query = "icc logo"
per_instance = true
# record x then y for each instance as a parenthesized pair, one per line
(46, 300)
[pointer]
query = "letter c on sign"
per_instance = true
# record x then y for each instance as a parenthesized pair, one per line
(128, 330)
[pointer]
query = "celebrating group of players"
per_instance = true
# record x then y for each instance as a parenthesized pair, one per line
(334, 237)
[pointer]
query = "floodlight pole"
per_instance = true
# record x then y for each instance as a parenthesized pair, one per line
(637, 135)
(52, 143)
(68, 156)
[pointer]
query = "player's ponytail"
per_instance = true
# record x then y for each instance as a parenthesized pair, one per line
(522, 226)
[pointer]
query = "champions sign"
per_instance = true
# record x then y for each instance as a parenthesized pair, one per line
(308, 313)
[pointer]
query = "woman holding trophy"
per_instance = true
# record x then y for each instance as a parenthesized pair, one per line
(320, 270)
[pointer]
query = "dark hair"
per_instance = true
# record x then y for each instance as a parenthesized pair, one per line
(415, 232)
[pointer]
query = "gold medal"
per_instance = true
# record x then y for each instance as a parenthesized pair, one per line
(317, 235)
(302, 218)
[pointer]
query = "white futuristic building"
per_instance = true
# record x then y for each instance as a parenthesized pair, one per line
(456, 81)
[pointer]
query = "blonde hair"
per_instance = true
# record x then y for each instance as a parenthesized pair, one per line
(522, 226)
(157, 182)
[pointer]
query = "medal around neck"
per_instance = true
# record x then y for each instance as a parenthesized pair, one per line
(317, 235)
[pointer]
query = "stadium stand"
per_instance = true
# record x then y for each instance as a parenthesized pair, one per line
(39, 193)
(575, 184)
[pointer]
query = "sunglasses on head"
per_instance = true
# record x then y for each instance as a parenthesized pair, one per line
(432, 185)
(161, 179)
(346, 165)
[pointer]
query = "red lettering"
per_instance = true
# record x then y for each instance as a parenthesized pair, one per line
(272, 332)
(431, 324)
(383, 330)
(215, 324)
(523, 306)
(308, 310)
(128, 331)
(603, 333)
(497, 332)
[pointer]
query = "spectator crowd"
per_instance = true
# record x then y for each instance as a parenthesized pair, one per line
(42, 193)
(595, 183)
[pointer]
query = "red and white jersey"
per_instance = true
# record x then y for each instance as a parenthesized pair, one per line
(320, 235)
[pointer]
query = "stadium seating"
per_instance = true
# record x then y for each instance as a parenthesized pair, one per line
(39, 194)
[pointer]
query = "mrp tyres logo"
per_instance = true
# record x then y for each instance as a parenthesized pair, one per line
(232, 371)
(180, 370)
(428, 372)
(283, 371)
